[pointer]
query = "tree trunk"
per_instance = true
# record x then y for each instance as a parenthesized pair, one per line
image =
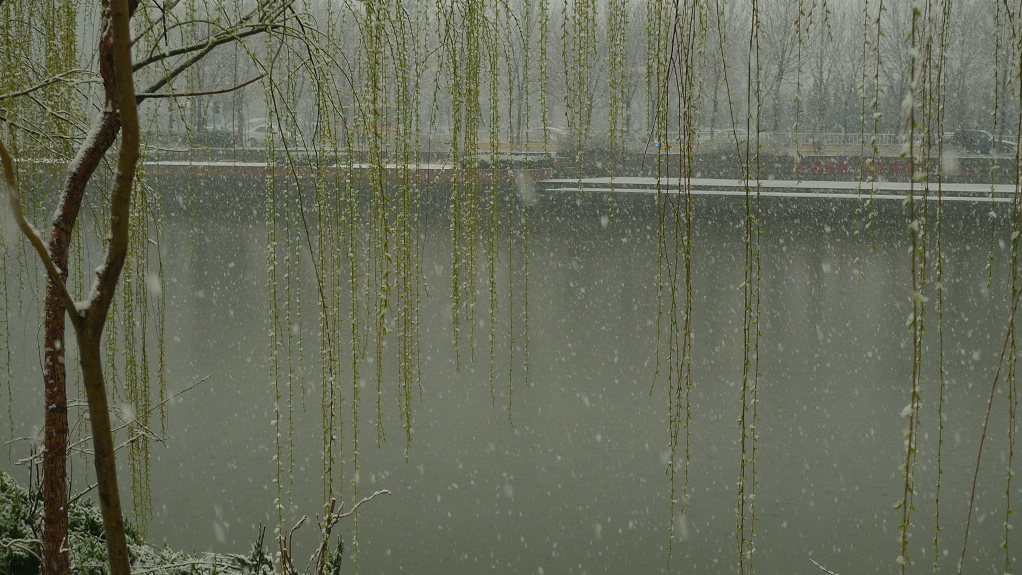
(89, 341)
(55, 557)
(55, 488)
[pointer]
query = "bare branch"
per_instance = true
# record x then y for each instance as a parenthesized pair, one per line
(162, 20)
(147, 412)
(33, 235)
(48, 82)
(1008, 337)
(822, 568)
(76, 446)
(236, 32)
(361, 501)
(22, 544)
(82, 493)
(147, 95)
(206, 49)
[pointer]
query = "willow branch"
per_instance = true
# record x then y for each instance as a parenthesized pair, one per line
(205, 45)
(986, 424)
(147, 95)
(224, 36)
(33, 235)
(195, 58)
(167, 7)
(39, 86)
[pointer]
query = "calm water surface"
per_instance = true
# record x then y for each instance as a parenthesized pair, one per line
(573, 480)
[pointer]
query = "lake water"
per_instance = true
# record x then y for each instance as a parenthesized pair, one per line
(574, 481)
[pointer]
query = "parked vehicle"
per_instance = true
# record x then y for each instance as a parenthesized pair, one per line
(255, 133)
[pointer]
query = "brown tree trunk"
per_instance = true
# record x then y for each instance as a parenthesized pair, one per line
(90, 338)
(55, 557)
(55, 488)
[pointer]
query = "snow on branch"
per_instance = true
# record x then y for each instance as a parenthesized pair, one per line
(33, 235)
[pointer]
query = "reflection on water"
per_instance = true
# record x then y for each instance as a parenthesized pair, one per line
(574, 480)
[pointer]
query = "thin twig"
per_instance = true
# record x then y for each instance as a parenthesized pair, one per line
(822, 568)
(14, 440)
(23, 544)
(78, 443)
(33, 235)
(148, 411)
(206, 93)
(983, 435)
(81, 493)
(361, 501)
(167, 7)
(41, 85)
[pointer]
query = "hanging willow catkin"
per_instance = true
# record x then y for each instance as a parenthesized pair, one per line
(617, 29)
(871, 210)
(276, 325)
(328, 252)
(688, 31)
(917, 225)
(407, 254)
(491, 206)
(939, 101)
(1016, 288)
(995, 117)
(863, 115)
(745, 531)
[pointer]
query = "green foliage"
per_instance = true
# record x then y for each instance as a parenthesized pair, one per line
(20, 514)
(21, 522)
(334, 561)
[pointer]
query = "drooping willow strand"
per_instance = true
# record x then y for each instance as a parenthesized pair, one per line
(1016, 289)
(656, 87)
(273, 282)
(874, 160)
(995, 117)
(916, 207)
(745, 530)
(617, 30)
(492, 206)
(134, 305)
(578, 45)
(688, 32)
(328, 230)
(939, 100)
(544, 71)
(407, 251)
(863, 113)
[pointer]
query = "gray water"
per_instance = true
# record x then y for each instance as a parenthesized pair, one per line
(573, 479)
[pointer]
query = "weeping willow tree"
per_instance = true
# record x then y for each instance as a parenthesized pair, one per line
(353, 95)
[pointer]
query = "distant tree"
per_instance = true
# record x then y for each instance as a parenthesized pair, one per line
(778, 52)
